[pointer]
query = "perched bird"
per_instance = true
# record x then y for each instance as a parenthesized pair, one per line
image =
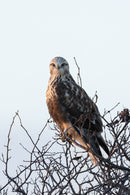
(73, 111)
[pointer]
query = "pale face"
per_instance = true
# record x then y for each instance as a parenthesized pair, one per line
(59, 65)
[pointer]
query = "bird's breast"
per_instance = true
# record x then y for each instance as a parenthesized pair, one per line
(56, 110)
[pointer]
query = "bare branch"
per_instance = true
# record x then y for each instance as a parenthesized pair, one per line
(61, 168)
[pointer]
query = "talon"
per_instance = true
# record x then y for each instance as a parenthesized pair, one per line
(63, 138)
(64, 135)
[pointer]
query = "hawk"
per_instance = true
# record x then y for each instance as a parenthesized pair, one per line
(73, 111)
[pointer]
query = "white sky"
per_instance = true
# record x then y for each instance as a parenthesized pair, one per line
(32, 32)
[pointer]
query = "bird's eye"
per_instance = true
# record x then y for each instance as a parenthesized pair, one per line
(53, 64)
(63, 64)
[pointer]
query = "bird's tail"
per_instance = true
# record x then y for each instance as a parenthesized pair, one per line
(103, 144)
(92, 143)
(93, 147)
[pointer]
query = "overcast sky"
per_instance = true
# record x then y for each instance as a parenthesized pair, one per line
(97, 33)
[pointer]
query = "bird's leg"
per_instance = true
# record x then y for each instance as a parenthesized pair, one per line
(66, 135)
(63, 137)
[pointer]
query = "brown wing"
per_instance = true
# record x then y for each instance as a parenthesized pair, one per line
(81, 110)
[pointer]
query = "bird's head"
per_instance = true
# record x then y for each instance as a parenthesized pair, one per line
(59, 65)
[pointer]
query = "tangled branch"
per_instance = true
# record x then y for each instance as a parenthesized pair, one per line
(69, 170)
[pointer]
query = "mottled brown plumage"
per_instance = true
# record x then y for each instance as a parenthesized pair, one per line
(73, 111)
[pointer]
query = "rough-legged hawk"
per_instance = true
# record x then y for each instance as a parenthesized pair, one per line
(74, 112)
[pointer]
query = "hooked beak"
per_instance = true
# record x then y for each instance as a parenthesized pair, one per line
(58, 66)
